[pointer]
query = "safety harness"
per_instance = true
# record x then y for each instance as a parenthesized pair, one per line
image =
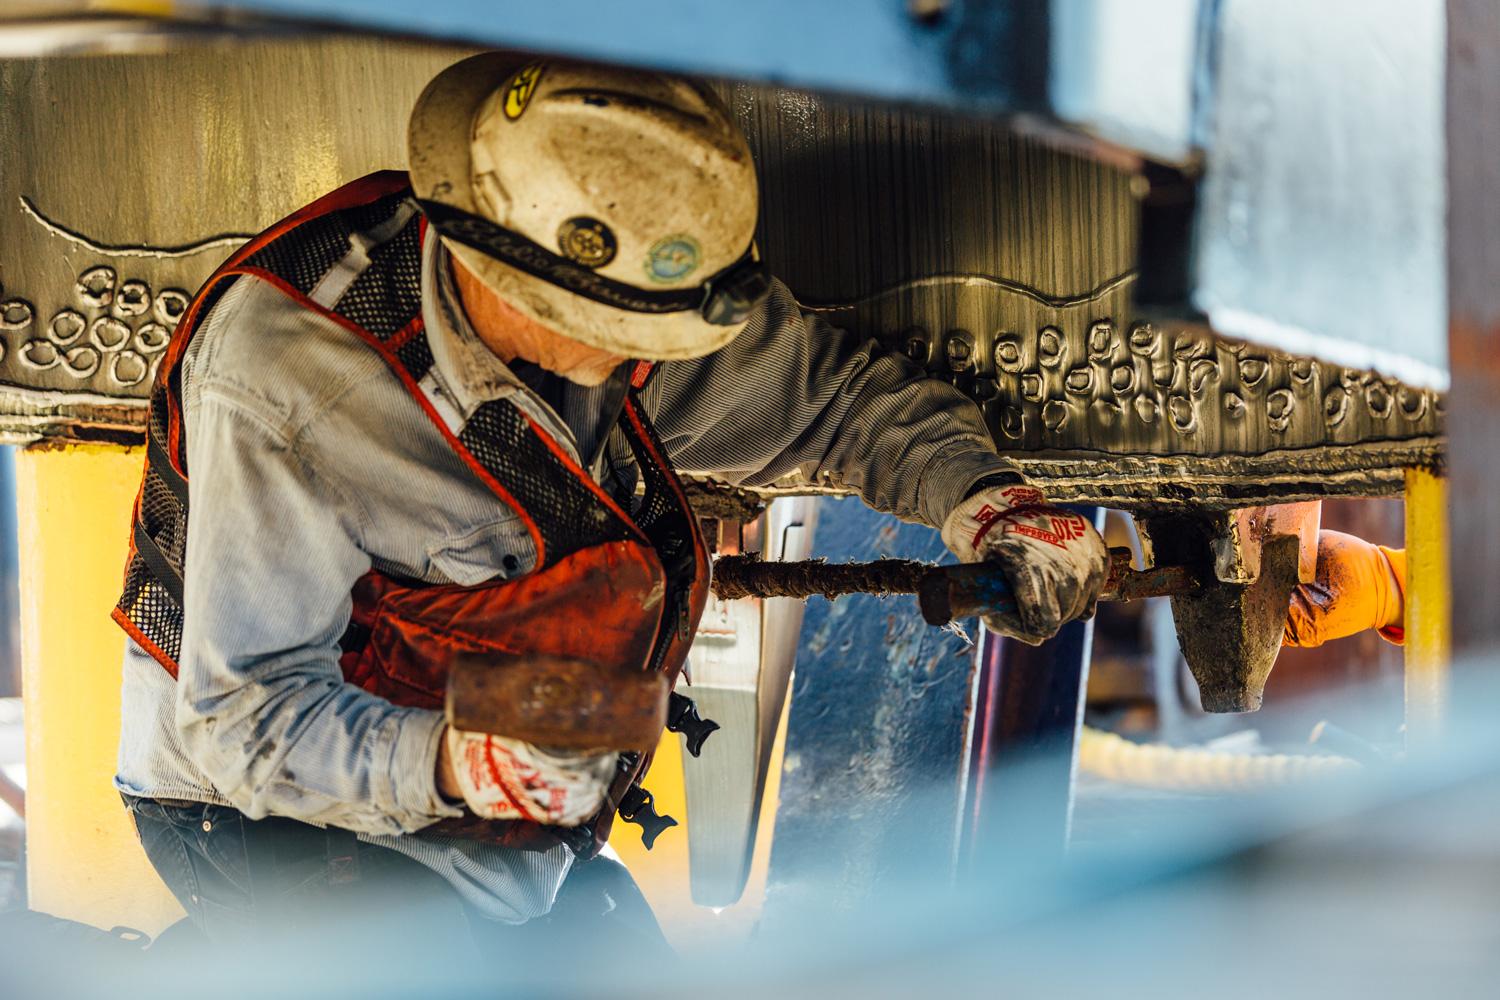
(633, 583)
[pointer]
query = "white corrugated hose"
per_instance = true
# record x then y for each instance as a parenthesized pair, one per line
(1191, 769)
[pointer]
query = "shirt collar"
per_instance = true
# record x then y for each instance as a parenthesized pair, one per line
(469, 370)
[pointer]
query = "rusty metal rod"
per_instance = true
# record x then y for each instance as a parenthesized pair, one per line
(945, 592)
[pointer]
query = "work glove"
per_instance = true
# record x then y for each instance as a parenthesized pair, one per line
(1359, 585)
(503, 778)
(1053, 559)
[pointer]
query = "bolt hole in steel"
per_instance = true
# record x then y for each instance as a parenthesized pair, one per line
(39, 354)
(132, 299)
(1188, 346)
(1144, 339)
(1031, 387)
(1008, 355)
(960, 350)
(66, 326)
(1055, 415)
(916, 345)
(1234, 406)
(1012, 423)
(128, 368)
(1413, 402)
(151, 337)
(108, 333)
(15, 314)
(1378, 398)
(96, 287)
(1080, 381)
(169, 306)
(1335, 405)
(1184, 416)
(1052, 348)
(1147, 407)
(1102, 340)
(1253, 372)
(1202, 370)
(1279, 407)
(81, 361)
(1122, 379)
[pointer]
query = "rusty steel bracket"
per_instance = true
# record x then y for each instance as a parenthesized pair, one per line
(1230, 629)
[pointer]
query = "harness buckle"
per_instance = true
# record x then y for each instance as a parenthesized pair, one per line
(637, 806)
(683, 717)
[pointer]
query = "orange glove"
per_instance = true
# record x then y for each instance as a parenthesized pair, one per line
(1359, 586)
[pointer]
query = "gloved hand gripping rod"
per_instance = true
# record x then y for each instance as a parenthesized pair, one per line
(944, 592)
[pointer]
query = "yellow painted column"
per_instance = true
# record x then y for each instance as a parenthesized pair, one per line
(663, 873)
(1428, 606)
(83, 859)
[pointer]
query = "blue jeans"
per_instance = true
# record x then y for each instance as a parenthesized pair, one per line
(294, 889)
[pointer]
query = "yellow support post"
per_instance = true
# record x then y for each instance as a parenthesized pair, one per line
(1428, 606)
(663, 873)
(83, 859)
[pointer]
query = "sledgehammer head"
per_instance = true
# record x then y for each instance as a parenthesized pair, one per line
(1230, 633)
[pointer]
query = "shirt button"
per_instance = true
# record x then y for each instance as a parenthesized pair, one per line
(207, 826)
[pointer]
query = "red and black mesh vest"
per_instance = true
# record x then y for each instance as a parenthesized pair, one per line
(403, 634)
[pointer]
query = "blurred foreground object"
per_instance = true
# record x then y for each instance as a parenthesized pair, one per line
(1110, 756)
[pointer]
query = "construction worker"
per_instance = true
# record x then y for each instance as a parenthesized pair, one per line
(1359, 586)
(408, 423)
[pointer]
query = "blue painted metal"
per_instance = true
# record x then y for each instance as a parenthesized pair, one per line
(976, 54)
(1029, 715)
(871, 786)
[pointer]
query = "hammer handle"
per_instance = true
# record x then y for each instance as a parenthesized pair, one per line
(944, 592)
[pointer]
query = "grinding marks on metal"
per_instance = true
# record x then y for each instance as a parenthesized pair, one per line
(111, 220)
(1013, 281)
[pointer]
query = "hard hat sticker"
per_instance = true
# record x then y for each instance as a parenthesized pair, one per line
(518, 92)
(672, 258)
(587, 241)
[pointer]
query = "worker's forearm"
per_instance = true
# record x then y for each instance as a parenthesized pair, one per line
(793, 394)
(447, 780)
(321, 752)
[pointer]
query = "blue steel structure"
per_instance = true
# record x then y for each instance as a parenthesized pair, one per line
(978, 55)
(894, 769)
(873, 779)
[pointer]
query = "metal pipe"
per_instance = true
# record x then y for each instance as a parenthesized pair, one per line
(946, 592)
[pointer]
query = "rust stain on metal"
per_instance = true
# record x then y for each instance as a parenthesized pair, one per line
(737, 577)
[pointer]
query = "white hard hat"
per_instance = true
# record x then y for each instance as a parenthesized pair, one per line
(614, 207)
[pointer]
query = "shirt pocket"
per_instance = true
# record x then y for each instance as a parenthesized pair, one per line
(500, 549)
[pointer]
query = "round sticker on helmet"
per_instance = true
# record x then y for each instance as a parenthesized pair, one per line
(587, 241)
(672, 258)
(518, 92)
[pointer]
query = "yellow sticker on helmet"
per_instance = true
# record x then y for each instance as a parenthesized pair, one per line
(518, 92)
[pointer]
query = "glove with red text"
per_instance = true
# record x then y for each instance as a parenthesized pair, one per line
(1053, 559)
(503, 778)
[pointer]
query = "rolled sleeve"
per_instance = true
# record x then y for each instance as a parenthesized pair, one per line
(413, 769)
